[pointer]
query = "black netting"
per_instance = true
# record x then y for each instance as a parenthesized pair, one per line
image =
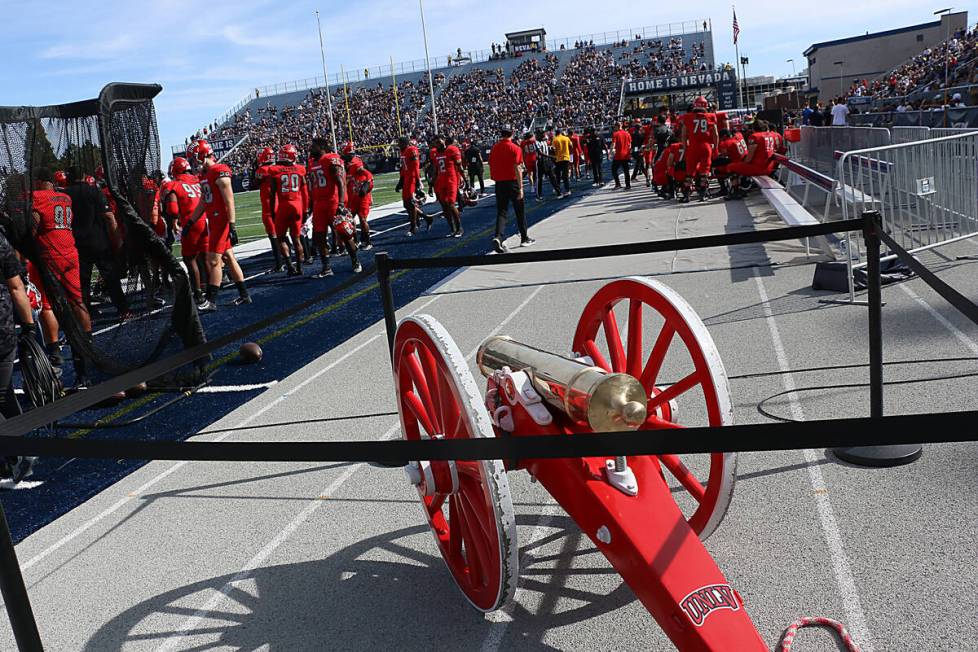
(137, 294)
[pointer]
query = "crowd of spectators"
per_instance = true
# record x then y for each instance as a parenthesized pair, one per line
(471, 102)
(923, 75)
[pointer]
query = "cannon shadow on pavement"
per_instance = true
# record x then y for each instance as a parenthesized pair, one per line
(367, 596)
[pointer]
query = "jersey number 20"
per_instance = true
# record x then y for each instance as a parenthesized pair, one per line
(289, 182)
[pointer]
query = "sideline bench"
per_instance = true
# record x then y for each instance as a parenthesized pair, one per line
(828, 185)
(786, 206)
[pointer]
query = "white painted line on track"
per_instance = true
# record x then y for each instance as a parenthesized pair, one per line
(499, 620)
(833, 536)
(173, 642)
(968, 343)
(246, 421)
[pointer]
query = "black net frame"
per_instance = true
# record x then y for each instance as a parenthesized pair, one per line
(155, 314)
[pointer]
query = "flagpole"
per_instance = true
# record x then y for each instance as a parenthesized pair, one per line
(740, 79)
(329, 98)
(397, 104)
(427, 63)
(346, 100)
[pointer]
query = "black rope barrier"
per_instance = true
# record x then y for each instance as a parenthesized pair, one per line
(650, 247)
(79, 401)
(947, 427)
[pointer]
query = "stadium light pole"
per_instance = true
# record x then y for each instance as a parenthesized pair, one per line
(427, 63)
(841, 70)
(329, 98)
(792, 62)
(947, 52)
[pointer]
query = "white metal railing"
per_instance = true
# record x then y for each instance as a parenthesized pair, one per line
(926, 191)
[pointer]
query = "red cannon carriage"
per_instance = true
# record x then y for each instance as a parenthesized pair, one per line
(648, 515)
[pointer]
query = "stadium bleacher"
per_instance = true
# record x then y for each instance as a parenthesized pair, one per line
(919, 83)
(578, 86)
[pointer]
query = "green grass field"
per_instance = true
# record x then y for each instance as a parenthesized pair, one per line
(248, 208)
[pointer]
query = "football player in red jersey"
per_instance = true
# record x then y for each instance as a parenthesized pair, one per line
(760, 152)
(360, 183)
(328, 180)
(291, 203)
(448, 172)
(675, 165)
(266, 157)
(217, 208)
(180, 203)
(700, 137)
(731, 150)
(410, 182)
(576, 153)
(52, 217)
(60, 180)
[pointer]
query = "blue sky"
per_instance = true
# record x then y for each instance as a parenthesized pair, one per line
(209, 55)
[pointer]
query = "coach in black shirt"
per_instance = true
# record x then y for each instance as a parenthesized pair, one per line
(15, 308)
(473, 161)
(92, 222)
(596, 149)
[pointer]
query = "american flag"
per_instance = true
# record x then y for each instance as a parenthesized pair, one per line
(736, 27)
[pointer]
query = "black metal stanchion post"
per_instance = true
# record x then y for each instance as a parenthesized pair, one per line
(876, 455)
(15, 594)
(387, 296)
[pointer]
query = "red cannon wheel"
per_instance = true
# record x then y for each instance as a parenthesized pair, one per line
(700, 381)
(467, 504)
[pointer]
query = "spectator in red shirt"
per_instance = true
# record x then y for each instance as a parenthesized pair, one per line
(506, 169)
(621, 141)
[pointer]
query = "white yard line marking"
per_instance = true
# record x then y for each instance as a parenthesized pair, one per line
(8, 485)
(227, 389)
(968, 343)
(246, 421)
(173, 642)
(137, 318)
(833, 537)
(393, 228)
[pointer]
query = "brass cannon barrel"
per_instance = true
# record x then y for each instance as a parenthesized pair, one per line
(589, 395)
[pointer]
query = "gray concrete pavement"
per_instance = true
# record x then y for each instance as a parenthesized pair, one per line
(331, 556)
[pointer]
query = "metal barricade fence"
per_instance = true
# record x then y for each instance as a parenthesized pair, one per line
(818, 145)
(926, 192)
(900, 134)
(939, 132)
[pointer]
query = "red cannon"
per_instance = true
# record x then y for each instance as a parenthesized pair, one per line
(648, 515)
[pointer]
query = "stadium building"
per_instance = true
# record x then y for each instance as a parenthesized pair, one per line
(834, 65)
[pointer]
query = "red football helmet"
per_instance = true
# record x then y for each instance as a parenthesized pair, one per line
(343, 225)
(355, 165)
(200, 150)
(60, 179)
(288, 153)
(178, 165)
(90, 180)
(349, 148)
(266, 155)
(701, 103)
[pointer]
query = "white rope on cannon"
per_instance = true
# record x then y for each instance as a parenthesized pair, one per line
(789, 634)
